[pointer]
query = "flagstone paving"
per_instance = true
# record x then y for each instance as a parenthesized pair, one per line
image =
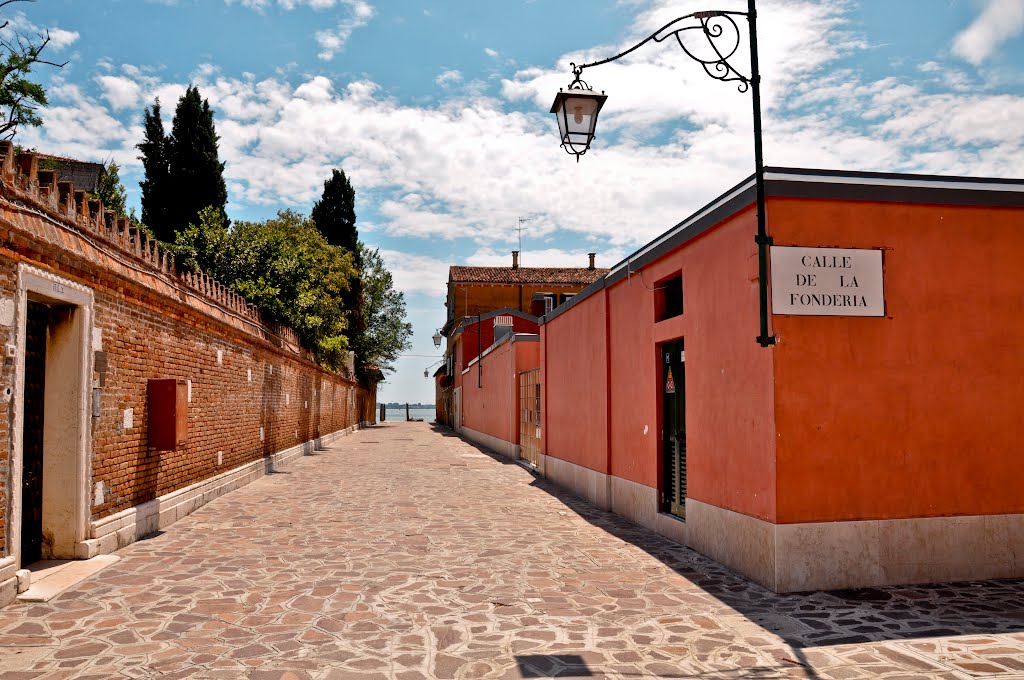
(404, 552)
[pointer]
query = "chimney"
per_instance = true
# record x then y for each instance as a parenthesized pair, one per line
(515, 259)
(592, 256)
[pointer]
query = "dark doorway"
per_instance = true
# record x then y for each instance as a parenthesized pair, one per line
(32, 448)
(673, 388)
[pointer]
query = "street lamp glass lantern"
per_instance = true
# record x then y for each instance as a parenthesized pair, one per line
(437, 340)
(576, 112)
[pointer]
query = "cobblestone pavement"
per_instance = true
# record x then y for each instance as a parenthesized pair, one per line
(402, 552)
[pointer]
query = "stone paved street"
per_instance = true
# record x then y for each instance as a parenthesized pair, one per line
(404, 552)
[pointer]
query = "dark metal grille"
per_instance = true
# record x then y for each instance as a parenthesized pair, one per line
(674, 428)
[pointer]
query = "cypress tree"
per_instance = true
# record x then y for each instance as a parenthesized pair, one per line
(155, 186)
(335, 213)
(335, 216)
(196, 175)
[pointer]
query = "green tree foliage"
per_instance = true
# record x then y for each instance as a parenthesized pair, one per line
(110, 189)
(20, 98)
(284, 266)
(335, 213)
(387, 332)
(155, 185)
(195, 174)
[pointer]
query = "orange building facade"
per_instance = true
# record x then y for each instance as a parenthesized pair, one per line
(480, 297)
(874, 443)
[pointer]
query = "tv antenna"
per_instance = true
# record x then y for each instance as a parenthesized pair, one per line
(519, 229)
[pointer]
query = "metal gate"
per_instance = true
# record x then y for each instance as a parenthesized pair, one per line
(529, 416)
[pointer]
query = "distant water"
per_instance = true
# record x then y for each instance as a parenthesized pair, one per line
(427, 414)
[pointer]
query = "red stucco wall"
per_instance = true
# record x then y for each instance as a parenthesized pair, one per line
(730, 431)
(912, 415)
(493, 408)
(917, 414)
(576, 383)
(728, 385)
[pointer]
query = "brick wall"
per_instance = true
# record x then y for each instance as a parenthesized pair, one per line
(254, 389)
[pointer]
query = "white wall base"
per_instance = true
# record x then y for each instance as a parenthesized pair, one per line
(116, 531)
(505, 448)
(635, 502)
(590, 485)
(832, 555)
(8, 580)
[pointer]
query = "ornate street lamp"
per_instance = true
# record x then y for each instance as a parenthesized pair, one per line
(437, 339)
(576, 108)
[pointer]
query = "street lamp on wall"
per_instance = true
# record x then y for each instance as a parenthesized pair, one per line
(576, 108)
(437, 339)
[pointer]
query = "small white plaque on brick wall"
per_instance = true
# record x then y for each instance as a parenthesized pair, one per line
(97, 339)
(6, 312)
(129, 418)
(827, 281)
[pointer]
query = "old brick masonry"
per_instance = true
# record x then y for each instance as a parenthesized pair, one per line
(254, 390)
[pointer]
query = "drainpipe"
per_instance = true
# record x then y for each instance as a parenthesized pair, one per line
(608, 398)
(544, 400)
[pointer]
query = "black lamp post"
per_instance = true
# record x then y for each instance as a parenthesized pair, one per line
(577, 107)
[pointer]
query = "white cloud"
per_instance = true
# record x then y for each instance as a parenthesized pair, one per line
(493, 54)
(261, 5)
(417, 273)
(997, 23)
(329, 40)
(121, 92)
(19, 24)
(59, 38)
(468, 167)
(448, 78)
(547, 257)
(332, 41)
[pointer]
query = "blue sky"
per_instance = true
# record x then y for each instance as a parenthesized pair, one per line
(438, 112)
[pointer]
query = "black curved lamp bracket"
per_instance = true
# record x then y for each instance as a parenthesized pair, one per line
(720, 31)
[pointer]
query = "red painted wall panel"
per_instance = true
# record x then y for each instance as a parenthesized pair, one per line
(493, 407)
(917, 414)
(576, 385)
(728, 385)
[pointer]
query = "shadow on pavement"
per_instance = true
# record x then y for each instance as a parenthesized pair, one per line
(444, 430)
(806, 620)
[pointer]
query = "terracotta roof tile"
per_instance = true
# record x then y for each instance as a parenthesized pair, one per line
(525, 275)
